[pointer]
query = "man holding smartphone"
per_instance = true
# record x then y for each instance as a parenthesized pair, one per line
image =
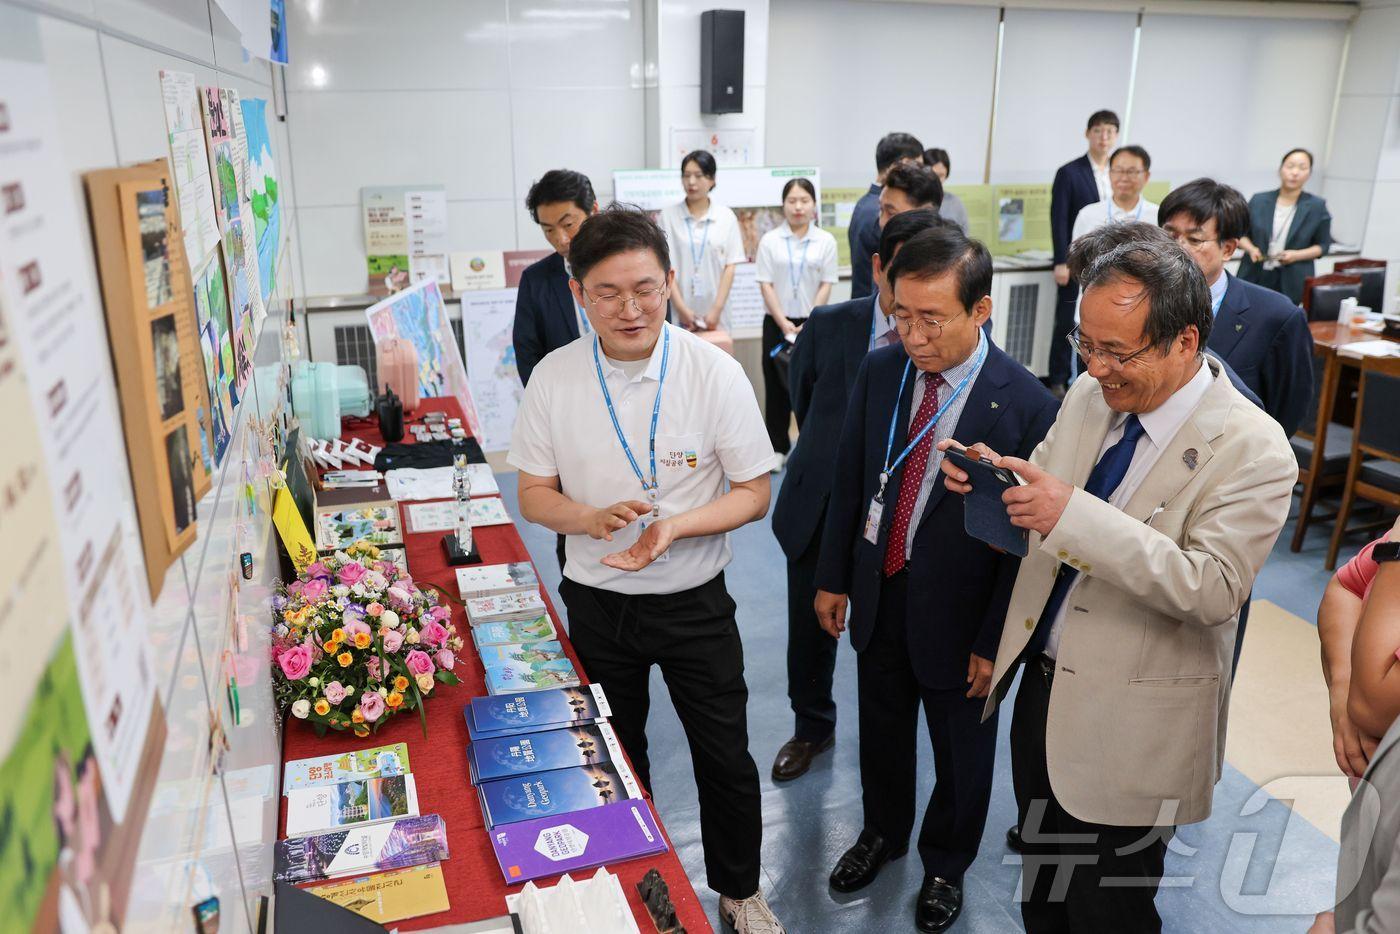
(924, 635)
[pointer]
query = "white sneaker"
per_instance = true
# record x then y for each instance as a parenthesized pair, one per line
(750, 915)
(782, 462)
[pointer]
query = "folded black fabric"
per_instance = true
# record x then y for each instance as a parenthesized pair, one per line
(423, 454)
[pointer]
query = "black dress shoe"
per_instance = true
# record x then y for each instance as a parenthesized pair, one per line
(940, 903)
(1014, 841)
(796, 756)
(859, 865)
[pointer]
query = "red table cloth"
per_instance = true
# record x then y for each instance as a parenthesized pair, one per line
(475, 886)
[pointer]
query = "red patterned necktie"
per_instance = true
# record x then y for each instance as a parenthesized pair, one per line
(913, 476)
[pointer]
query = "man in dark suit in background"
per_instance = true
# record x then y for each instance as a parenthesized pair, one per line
(927, 600)
(546, 317)
(1259, 332)
(864, 233)
(1077, 183)
(825, 361)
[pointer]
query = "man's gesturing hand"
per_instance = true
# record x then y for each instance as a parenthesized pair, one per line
(610, 519)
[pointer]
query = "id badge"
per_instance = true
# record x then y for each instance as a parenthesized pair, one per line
(642, 524)
(699, 288)
(872, 521)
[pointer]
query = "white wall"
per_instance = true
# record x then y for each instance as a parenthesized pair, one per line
(482, 96)
(202, 837)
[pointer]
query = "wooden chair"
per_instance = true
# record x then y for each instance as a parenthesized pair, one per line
(1322, 295)
(1374, 470)
(1322, 448)
(1372, 273)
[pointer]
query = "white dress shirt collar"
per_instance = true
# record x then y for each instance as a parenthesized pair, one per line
(1217, 291)
(653, 369)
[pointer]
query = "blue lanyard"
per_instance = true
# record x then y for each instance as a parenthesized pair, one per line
(1137, 216)
(695, 258)
(874, 310)
(894, 418)
(649, 488)
(796, 280)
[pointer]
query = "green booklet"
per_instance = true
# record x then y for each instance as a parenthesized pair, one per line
(375, 762)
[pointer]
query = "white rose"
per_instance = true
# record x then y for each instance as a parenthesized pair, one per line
(383, 692)
(412, 637)
(340, 590)
(301, 708)
(389, 618)
(313, 681)
(349, 689)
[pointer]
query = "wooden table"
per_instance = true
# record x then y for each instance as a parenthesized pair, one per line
(474, 882)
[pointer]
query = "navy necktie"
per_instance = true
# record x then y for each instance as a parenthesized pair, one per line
(1103, 480)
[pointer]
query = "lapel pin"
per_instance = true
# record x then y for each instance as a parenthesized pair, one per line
(994, 405)
(1188, 458)
(1239, 327)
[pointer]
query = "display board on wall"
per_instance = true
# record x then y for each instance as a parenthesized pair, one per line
(755, 194)
(405, 229)
(80, 751)
(487, 320)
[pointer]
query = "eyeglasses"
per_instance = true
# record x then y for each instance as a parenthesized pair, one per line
(1194, 243)
(931, 328)
(1125, 173)
(1108, 358)
(647, 301)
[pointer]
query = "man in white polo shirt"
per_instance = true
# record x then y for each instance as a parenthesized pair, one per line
(644, 446)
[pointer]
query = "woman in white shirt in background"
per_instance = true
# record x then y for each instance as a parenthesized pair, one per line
(795, 269)
(705, 247)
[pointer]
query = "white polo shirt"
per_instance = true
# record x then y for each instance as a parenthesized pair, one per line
(709, 432)
(700, 249)
(796, 266)
(1093, 216)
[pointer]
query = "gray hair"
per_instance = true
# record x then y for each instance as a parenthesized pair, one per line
(1172, 284)
(1105, 237)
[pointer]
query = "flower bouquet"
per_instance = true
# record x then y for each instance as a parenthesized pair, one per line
(356, 642)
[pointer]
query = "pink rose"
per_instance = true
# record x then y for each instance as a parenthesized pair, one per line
(432, 634)
(355, 626)
(445, 659)
(317, 569)
(295, 662)
(441, 613)
(372, 667)
(294, 588)
(352, 573)
(393, 640)
(371, 706)
(398, 597)
(418, 663)
(335, 692)
(375, 608)
(315, 590)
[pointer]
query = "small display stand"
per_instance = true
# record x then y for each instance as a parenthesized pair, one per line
(455, 556)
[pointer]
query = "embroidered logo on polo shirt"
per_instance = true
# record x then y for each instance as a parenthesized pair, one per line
(692, 460)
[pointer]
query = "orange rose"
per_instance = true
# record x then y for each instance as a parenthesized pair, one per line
(323, 707)
(394, 700)
(330, 647)
(357, 716)
(362, 640)
(400, 683)
(344, 658)
(338, 635)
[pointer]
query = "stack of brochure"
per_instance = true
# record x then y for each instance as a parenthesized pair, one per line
(555, 789)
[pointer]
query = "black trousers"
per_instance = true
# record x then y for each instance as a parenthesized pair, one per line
(964, 748)
(777, 404)
(693, 636)
(1076, 876)
(1061, 362)
(811, 653)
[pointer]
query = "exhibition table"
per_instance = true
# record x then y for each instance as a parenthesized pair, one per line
(438, 761)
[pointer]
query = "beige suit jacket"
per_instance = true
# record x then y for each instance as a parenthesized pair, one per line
(1136, 728)
(1368, 868)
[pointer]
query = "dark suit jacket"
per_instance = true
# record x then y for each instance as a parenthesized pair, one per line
(545, 316)
(1074, 187)
(1265, 339)
(864, 238)
(1311, 225)
(958, 586)
(825, 361)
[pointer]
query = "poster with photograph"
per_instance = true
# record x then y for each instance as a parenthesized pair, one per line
(177, 456)
(170, 386)
(218, 136)
(754, 193)
(405, 230)
(155, 255)
(262, 192)
(80, 752)
(211, 316)
(189, 162)
(242, 290)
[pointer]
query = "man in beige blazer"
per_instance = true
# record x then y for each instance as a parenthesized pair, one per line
(1151, 505)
